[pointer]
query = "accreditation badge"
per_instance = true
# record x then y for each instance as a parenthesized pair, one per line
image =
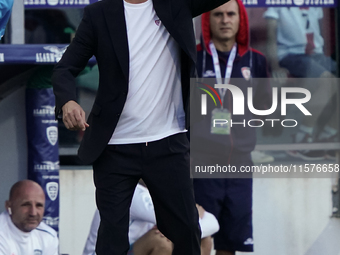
(220, 121)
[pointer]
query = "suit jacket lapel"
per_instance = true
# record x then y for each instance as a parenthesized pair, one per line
(164, 12)
(115, 18)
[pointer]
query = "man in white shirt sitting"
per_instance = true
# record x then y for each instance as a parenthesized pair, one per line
(144, 237)
(21, 229)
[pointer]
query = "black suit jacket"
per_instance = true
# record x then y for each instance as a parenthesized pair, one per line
(102, 33)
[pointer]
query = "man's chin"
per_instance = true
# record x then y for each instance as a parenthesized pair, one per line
(226, 37)
(30, 226)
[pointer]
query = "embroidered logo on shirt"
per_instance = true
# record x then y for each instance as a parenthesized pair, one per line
(209, 73)
(249, 241)
(37, 252)
(246, 73)
(158, 22)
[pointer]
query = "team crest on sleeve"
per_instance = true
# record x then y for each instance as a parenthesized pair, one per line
(246, 73)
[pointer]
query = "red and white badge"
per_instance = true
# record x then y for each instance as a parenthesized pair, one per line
(246, 73)
(158, 22)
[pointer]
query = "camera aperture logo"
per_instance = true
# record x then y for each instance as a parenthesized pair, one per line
(204, 98)
(238, 105)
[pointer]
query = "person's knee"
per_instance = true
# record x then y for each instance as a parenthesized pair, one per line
(162, 245)
(153, 243)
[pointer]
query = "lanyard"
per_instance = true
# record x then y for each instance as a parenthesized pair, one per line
(217, 68)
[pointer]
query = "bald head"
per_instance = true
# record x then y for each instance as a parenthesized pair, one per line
(26, 205)
(23, 185)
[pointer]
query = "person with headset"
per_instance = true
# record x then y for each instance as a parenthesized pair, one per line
(22, 231)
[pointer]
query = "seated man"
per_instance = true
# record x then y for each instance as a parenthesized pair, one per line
(21, 229)
(295, 44)
(144, 237)
(295, 47)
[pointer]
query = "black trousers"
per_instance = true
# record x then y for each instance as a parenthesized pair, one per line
(164, 167)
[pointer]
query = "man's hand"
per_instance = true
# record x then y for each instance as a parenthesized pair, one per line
(74, 116)
(280, 75)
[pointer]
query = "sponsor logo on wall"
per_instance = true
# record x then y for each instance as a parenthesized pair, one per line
(47, 166)
(289, 3)
(45, 110)
(52, 135)
(52, 190)
(53, 56)
(55, 3)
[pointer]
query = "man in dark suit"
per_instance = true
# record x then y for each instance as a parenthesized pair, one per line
(145, 50)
